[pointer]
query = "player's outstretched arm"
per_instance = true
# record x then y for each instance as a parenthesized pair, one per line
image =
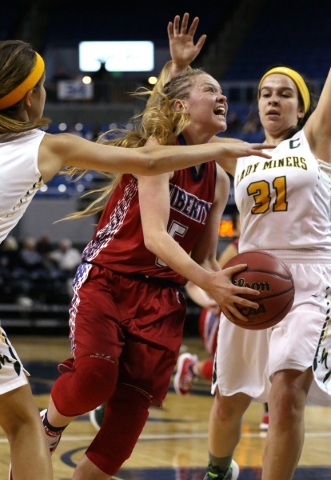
(66, 150)
(318, 126)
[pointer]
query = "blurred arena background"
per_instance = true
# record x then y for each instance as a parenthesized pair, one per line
(244, 38)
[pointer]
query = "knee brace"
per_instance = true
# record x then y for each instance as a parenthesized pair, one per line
(125, 416)
(90, 383)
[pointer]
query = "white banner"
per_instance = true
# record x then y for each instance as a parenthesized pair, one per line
(74, 90)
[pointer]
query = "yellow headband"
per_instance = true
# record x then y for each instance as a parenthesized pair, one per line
(297, 79)
(21, 90)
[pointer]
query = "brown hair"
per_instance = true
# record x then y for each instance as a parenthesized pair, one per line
(17, 59)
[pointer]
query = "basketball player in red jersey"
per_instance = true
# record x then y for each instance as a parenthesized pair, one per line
(127, 312)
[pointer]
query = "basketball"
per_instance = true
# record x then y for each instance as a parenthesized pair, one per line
(268, 274)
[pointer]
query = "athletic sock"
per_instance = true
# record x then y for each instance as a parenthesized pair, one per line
(50, 427)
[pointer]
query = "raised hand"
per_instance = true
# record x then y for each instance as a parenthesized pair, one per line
(181, 43)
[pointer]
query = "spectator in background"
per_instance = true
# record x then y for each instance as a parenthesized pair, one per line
(9, 252)
(44, 245)
(101, 80)
(67, 259)
(29, 255)
(44, 248)
(66, 256)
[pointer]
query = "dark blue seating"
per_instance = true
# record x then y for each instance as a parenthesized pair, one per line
(10, 12)
(293, 33)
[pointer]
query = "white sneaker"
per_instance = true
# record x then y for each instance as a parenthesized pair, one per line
(231, 474)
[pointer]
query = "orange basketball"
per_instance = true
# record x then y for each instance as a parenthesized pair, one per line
(268, 274)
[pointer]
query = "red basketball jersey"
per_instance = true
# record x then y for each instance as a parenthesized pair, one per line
(118, 242)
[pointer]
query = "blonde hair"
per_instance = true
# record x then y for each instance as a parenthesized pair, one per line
(160, 120)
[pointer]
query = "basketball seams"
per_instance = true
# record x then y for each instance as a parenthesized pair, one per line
(260, 270)
(264, 297)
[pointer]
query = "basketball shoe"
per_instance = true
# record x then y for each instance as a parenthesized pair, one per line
(185, 373)
(96, 416)
(264, 425)
(213, 473)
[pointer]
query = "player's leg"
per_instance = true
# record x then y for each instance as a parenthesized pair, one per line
(20, 420)
(125, 416)
(90, 379)
(153, 339)
(286, 429)
(92, 382)
(224, 433)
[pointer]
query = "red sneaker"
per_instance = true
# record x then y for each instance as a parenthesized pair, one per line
(185, 375)
(265, 421)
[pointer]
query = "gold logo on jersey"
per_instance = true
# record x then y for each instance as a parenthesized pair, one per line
(297, 162)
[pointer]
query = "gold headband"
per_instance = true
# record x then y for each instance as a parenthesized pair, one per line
(297, 79)
(21, 90)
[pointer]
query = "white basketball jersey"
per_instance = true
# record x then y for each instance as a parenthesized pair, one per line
(20, 177)
(284, 202)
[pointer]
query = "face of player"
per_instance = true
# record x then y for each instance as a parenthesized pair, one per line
(279, 106)
(207, 107)
(38, 99)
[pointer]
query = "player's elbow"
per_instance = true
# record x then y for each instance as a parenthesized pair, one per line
(152, 160)
(152, 241)
(149, 243)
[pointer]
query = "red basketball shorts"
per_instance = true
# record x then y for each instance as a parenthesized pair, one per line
(138, 323)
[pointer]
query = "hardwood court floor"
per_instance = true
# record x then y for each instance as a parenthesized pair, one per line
(173, 445)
